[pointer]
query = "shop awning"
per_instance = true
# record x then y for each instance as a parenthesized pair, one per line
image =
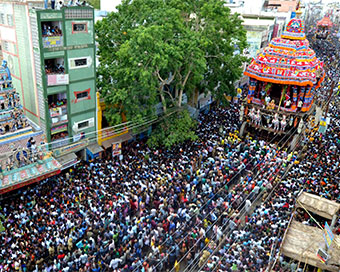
(318, 205)
(68, 160)
(28, 174)
(95, 148)
(119, 139)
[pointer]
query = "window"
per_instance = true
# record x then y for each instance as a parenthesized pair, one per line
(83, 62)
(79, 27)
(10, 20)
(84, 124)
(2, 18)
(80, 62)
(5, 45)
(82, 95)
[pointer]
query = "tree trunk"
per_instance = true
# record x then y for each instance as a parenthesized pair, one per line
(180, 96)
(163, 101)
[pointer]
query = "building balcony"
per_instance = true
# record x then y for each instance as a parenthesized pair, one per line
(57, 79)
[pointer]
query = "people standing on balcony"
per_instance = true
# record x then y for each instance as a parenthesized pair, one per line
(60, 5)
(53, 4)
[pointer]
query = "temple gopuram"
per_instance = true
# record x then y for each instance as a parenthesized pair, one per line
(282, 82)
(23, 155)
(323, 28)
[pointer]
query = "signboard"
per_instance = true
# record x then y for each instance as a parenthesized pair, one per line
(53, 41)
(78, 137)
(323, 126)
(254, 39)
(58, 129)
(323, 256)
(275, 30)
(328, 235)
(71, 148)
(57, 80)
(53, 15)
(116, 149)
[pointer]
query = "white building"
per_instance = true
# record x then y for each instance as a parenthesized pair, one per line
(109, 5)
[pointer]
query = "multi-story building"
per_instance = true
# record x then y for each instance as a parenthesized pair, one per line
(281, 5)
(52, 56)
(24, 156)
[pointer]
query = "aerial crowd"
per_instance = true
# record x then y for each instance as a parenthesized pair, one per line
(221, 203)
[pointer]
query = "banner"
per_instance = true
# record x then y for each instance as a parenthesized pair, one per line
(328, 235)
(116, 149)
(57, 80)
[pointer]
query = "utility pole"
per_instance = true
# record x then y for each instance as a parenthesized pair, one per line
(329, 97)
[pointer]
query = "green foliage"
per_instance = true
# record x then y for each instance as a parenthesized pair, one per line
(178, 128)
(94, 3)
(149, 45)
(2, 218)
(268, 86)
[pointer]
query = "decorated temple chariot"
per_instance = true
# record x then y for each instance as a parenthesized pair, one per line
(283, 80)
(323, 28)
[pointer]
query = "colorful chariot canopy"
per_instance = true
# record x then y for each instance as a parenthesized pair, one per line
(288, 60)
(295, 30)
(325, 21)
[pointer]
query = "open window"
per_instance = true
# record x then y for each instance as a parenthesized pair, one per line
(52, 34)
(54, 66)
(55, 72)
(57, 104)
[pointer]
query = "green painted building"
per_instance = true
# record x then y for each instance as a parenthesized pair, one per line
(51, 54)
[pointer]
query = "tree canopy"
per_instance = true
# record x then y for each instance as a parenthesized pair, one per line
(94, 3)
(153, 51)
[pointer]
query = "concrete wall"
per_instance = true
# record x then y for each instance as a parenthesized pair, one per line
(79, 38)
(26, 62)
(286, 5)
(78, 106)
(16, 46)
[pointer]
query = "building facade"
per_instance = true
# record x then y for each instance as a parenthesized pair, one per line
(52, 56)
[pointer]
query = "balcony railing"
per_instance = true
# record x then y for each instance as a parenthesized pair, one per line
(52, 41)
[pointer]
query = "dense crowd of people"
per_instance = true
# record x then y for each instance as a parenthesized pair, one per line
(158, 209)
(51, 67)
(250, 248)
(105, 215)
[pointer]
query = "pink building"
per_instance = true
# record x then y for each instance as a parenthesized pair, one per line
(283, 5)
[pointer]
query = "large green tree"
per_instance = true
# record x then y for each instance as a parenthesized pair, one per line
(94, 3)
(154, 51)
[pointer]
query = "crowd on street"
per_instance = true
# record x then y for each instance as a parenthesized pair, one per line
(158, 209)
(105, 214)
(250, 247)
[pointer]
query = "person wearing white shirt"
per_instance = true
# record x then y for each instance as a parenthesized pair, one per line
(59, 5)
(115, 263)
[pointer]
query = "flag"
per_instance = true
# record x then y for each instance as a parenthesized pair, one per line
(176, 266)
(284, 94)
(298, 5)
(287, 96)
(2, 228)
